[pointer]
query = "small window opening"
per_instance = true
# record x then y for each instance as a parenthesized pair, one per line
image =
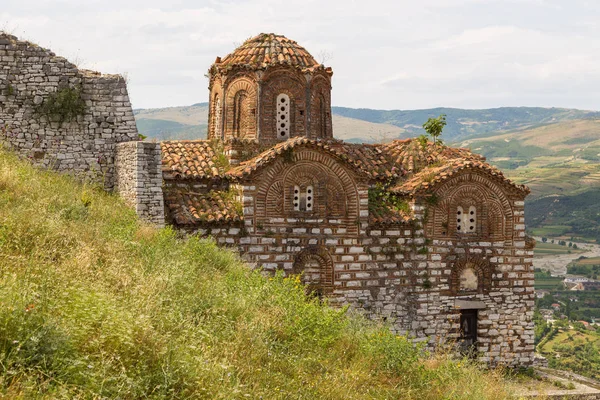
(304, 199)
(283, 116)
(309, 198)
(466, 222)
(296, 198)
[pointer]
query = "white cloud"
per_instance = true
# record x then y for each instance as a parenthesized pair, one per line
(385, 53)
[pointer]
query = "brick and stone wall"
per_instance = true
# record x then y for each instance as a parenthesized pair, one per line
(407, 274)
(138, 179)
(243, 104)
(84, 145)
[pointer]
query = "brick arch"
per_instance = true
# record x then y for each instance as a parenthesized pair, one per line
(324, 168)
(216, 98)
(330, 198)
(495, 218)
(483, 269)
(320, 108)
(273, 85)
(240, 109)
(316, 267)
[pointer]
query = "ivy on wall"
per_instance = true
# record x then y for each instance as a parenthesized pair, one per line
(63, 105)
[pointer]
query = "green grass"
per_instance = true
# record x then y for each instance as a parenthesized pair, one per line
(94, 304)
(577, 351)
(547, 283)
(552, 248)
(550, 230)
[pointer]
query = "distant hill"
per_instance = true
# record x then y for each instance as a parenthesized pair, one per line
(369, 126)
(466, 123)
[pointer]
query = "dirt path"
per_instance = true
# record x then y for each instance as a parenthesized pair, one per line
(557, 263)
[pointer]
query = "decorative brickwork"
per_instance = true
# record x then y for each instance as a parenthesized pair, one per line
(79, 139)
(254, 77)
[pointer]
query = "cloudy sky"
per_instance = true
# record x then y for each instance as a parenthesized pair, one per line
(391, 54)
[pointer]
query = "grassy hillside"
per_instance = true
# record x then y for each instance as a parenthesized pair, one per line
(576, 350)
(94, 304)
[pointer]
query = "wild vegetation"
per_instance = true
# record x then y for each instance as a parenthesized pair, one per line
(94, 304)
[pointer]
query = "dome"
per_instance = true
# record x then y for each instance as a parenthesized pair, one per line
(268, 49)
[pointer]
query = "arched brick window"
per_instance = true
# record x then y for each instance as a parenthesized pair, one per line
(217, 116)
(471, 276)
(315, 266)
(282, 122)
(466, 222)
(241, 113)
(304, 198)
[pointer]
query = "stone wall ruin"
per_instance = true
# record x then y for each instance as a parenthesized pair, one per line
(61, 117)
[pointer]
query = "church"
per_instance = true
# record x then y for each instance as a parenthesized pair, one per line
(427, 238)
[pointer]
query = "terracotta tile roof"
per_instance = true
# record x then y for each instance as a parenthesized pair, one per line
(367, 159)
(190, 159)
(190, 208)
(388, 216)
(412, 156)
(443, 169)
(406, 162)
(268, 49)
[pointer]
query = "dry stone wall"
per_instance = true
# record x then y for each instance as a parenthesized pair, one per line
(84, 144)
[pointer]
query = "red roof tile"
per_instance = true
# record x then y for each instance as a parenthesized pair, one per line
(268, 49)
(190, 208)
(367, 159)
(189, 159)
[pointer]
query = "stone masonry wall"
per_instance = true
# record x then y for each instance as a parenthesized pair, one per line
(84, 146)
(138, 179)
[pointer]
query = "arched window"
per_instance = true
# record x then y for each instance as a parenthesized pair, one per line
(466, 222)
(468, 281)
(240, 113)
(316, 268)
(304, 198)
(322, 117)
(282, 122)
(460, 215)
(217, 116)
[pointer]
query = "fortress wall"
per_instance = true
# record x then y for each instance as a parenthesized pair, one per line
(41, 118)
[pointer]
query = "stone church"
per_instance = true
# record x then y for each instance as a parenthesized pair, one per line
(428, 238)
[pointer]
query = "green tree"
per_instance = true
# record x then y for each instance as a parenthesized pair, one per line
(544, 239)
(434, 127)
